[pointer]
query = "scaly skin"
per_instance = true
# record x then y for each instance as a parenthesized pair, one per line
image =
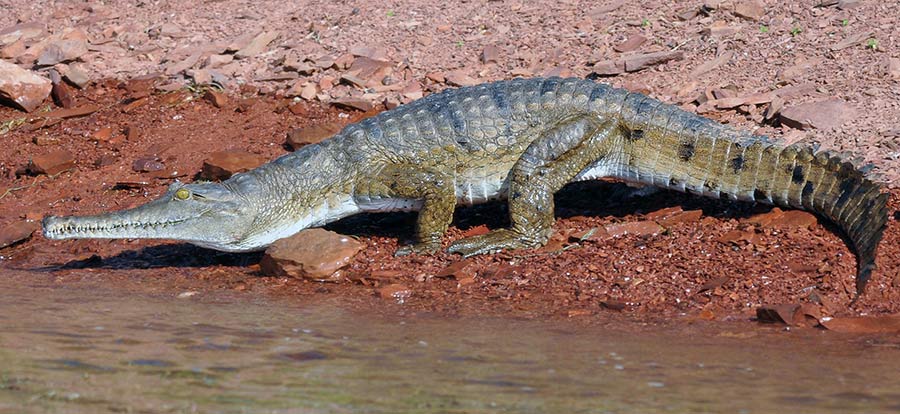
(520, 140)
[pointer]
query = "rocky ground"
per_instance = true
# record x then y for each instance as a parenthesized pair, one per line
(109, 102)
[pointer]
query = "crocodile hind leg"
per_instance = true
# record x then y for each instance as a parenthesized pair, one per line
(549, 163)
(410, 184)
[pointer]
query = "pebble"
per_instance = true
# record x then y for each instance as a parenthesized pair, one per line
(17, 232)
(463, 269)
(316, 254)
(395, 291)
(217, 98)
(147, 164)
(24, 88)
(638, 228)
(354, 103)
(215, 61)
(490, 54)
(221, 165)
(257, 45)
(751, 10)
(459, 78)
(62, 51)
(61, 92)
(313, 134)
(632, 43)
(824, 115)
(52, 163)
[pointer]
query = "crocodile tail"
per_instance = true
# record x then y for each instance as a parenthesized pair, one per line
(827, 184)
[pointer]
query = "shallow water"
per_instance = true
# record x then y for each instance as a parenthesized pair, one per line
(77, 351)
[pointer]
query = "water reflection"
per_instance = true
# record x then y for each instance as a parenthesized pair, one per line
(76, 351)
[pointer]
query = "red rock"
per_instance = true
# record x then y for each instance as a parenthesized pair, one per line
(13, 50)
(462, 269)
(639, 228)
(437, 77)
(62, 51)
(370, 52)
(795, 218)
(316, 254)
(594, 233)
(863, 325)
(257, 45)
(242, 41)
(52, 163)
(609, 67)
(342, 62)
(476, 231)
(77, 76)
(635, 63)
(459, 78)
(82, 110)
(632, 43)
(102, 134)
(893, 67)
(490, 54)
(24, 88)
(218, 99)
(17, 232)
(614, 304)
(750, 9)
(826, 115)
(737, 235)
(354, 103)
(215, 61)
(147, 164)
(713, 284)
(395, 291)
(132, 133)
(783, 314)
(221, 165)
(21, 31)
(312, 134)
(369, 69)
(680, 217)
(61, 92)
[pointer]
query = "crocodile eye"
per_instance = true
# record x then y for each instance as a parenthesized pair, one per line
(182, 194)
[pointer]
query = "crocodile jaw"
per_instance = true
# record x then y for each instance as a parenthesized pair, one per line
(213, 217)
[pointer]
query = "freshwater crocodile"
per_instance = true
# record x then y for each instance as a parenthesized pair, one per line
(520, 140)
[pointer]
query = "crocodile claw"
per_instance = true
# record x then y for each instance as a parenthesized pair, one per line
(492, 242)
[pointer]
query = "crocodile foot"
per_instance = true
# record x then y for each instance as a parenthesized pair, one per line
(492, 242)
(418, 248)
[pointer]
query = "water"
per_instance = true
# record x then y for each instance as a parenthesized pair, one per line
(77, 351)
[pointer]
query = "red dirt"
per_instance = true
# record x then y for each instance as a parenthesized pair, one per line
(719, 266)
(694, 268)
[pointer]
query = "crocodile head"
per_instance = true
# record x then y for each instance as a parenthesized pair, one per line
(206, 214)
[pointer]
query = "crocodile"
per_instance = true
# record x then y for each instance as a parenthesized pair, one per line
(517, 140)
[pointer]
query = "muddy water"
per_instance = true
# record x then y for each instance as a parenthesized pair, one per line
(77, 351)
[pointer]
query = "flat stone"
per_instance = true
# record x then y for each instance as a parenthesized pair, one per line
(609, 67)
(635, 63)
(62, 51)
(26, 89)
(395, 291)
(371, 52)
(215, 61)
(313, 134)
(354, 103)
(690, 216)
(147, 164)
(200, 76)
(77, 76)
(863, 325)
(52, 163)
(82, 110)
(825, 115)
(17, 232)
(316, 254)
(638, 228)
(436, 77)
(217, 98)
(61, 92)
(369, 69)
(631, 44)
(463, 269)
(257, 45)
(242, 41)
(490, 54)
(221, 165)
(21, 31)
(183, 65)
(459, 78)
(751, 10)
(780, 314)
(13, 50)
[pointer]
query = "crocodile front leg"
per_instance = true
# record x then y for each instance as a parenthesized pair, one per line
(410, 184)
(549, 163)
